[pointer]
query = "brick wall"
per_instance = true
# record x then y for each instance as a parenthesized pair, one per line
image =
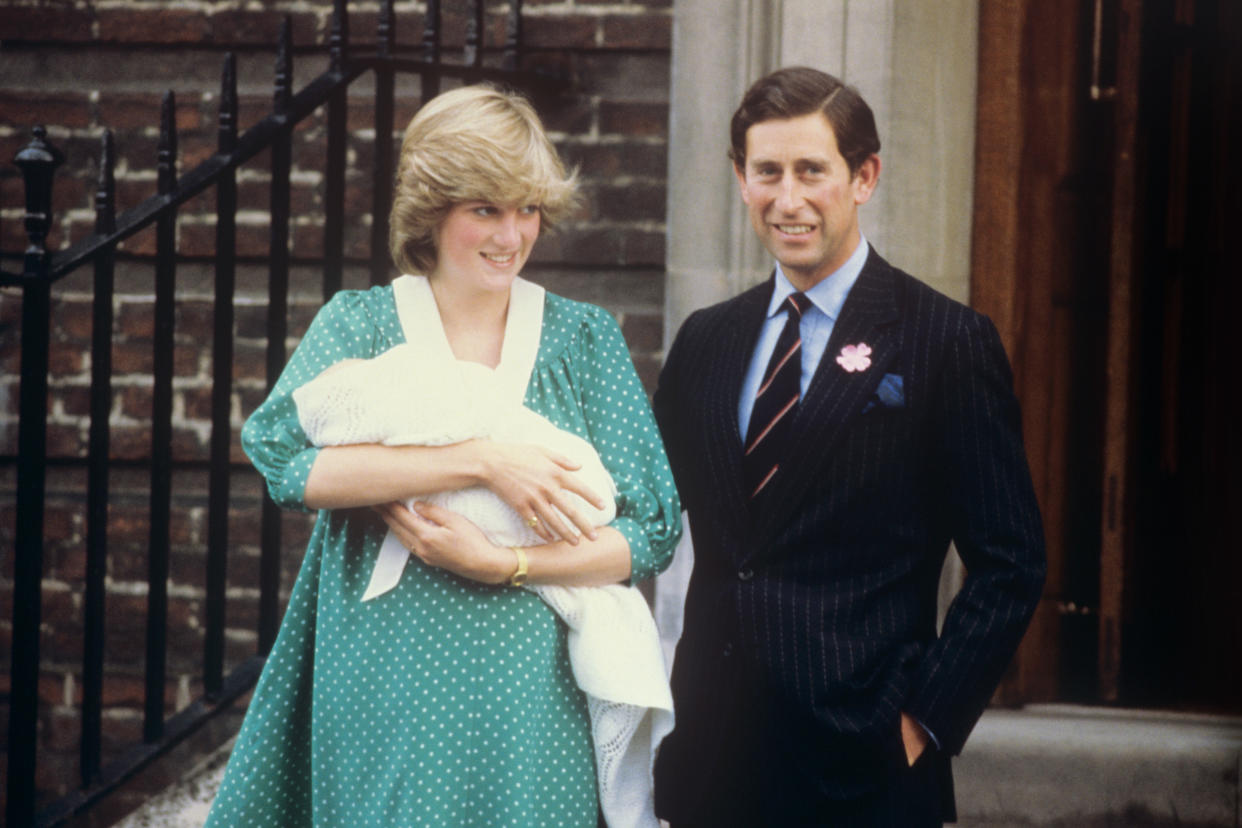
(80, 67)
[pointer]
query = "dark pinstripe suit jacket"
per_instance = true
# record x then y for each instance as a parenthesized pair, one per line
(811, 624)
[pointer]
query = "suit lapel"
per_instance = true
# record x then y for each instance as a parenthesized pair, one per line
(723, 386)
(835, 395)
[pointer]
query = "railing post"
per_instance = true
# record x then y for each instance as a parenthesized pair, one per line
(512, 55)
(158, 548)
(381, 182)
(97, 472)
(38, 161)
(334, 174)
(277, 326)
(432, 36)
(476, 35)
(221, 390)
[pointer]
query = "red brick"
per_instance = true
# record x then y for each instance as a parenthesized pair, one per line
(129, 25)
(120, 690)
(121, 730)
(66, 359)
(254, 108)
(188, 446)
(357, 196)
(637, 201)
(236, 454)
(198, 404)
(364, 25)
(300, 316)
(625, 158)
(47, 22)
(646, 120)
(237, 27)
(142, 243)
(358, 243)
(253, 241)
(249, 364)
(406, 102)
(646, 31)
(197, 240)
(127, 110)
(560, 32)
(135, 319)
(10, 394)
(131, 192)
(254, 195)
(63, 523)
(74, 401)
(644, 331)
(193, 148)
(55, 772)
(137, 358)
(194, 319)
(648, 369)
(303, 201)
(573, 116)
(25, 109)
(642, 247)
(134, 401)
(129, 443)
(8, 438)
(51, 688)
(308, 240)
(71, 319)
(65, 562)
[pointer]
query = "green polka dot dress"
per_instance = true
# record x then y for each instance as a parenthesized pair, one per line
(443, 702)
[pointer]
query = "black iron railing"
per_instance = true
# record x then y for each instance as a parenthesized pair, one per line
(43, 268)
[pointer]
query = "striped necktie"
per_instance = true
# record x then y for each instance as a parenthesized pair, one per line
(776, 401)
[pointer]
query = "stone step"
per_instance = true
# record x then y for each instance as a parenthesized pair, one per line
(1044, 766)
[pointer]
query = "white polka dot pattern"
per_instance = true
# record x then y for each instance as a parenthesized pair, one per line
(442, 702)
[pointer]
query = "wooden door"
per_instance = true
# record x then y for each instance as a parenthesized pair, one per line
(1105, 184)
(1171, 633)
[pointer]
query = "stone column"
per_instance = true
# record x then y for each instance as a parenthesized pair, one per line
(914, 62)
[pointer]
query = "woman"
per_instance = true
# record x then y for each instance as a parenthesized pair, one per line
(449, 700)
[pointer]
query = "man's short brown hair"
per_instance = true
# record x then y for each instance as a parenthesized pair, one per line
(796, 91)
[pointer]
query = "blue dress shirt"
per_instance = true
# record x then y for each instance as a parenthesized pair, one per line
(826, 297)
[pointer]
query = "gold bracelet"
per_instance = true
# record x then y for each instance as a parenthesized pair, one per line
(519, 575)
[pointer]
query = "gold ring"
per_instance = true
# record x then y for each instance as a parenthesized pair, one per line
(532, 521)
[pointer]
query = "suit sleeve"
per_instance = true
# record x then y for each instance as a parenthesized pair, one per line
(994, 519)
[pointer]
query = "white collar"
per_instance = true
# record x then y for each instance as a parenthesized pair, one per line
(423, 328)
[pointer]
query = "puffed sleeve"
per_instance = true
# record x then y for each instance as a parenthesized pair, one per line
(271, 436)
(624, 432)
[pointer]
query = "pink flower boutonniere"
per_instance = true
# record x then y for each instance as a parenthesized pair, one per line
(855, 357)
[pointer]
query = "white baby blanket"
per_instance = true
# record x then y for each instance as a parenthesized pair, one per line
(419, 394)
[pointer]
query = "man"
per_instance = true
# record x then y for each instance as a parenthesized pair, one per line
(828, 447)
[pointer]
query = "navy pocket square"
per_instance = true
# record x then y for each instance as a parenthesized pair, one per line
(890, 393)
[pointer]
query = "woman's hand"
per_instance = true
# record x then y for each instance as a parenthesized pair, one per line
(536, 482)
(449, 541)
(446, 540)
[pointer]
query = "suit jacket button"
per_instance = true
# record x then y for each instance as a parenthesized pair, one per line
(727, 649)
(745, 574)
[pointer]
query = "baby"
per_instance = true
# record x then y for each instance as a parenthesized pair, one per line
(397, 399)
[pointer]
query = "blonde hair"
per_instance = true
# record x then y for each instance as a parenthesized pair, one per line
(475, 143)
